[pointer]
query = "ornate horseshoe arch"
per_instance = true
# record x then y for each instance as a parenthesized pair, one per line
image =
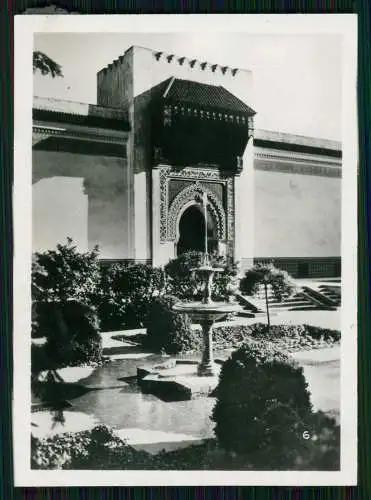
(185, 197)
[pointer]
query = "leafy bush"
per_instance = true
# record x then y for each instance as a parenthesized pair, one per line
(322, 450)
(280, 282)
(184, 284)
(263, 413)
(312, 443)
(65, 274)
(287, 337)
(72, 450)
(62, 275)
(72, 336)
(168, 330)
(256, 377)
(97, 449)
(125, 291)
(326, 334)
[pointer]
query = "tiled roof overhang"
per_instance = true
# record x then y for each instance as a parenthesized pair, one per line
(203, 95)
(188, 96)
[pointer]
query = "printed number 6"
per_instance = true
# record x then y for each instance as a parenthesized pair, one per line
(306, 435)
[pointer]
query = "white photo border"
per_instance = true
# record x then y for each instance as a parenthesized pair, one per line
(25, 28)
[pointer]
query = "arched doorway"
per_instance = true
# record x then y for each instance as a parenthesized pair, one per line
(192, 231)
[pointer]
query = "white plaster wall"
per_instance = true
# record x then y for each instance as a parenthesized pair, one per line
(106, 204)
(297, 215)
(59, 211)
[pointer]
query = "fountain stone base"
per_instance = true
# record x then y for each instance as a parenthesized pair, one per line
(183, 380)
(178, 380)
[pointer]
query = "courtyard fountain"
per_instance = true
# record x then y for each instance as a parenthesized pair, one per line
(184, 378)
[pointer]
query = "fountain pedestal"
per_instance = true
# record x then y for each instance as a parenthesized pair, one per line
(207, 367)
(186, 380)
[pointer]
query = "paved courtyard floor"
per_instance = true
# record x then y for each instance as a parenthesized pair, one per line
(147, 422)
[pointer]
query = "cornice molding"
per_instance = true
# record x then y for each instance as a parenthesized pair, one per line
(82, 134)
(297, 163)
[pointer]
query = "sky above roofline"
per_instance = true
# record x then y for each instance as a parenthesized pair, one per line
(297, 78)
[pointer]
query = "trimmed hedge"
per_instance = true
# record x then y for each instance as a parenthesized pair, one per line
(288, 337)
(263, 413)
(163, 334)
(256, 381)
(168, 330)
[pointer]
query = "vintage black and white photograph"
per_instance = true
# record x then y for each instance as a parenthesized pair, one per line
(189, 257)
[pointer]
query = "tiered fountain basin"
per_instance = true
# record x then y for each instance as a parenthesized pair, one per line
(177, 380)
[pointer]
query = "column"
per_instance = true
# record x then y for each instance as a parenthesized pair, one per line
(244, 210)
(207, 366)
(162, 251)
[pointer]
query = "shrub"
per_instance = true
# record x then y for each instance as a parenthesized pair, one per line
(184, 284)
(125, 290)
(288, 337)
(65, 274)
(168, 330)
(280, 281)
(322, 450)
(62, 275)
(254, 379)
(72, 336)
(72, 450)
(96, 449)
(311, 443)
(326, 334)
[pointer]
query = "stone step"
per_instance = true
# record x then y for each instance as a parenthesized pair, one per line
(285, 305)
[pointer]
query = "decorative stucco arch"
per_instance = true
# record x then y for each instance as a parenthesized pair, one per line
(192, 195)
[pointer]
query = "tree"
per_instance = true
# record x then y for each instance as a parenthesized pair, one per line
(65, 283)
(46, 65)
(280, 283)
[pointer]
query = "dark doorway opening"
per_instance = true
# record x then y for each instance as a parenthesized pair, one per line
(192, 231)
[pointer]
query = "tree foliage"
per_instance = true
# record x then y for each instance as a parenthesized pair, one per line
(64, 291)
(46, 65)
(125, 292)
(65, 274)
(280, 282)
(185, 284)
(268, 277)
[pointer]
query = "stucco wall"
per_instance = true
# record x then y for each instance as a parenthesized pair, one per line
(59, 209)
(115, 84)
(100, 199)
(296, 215)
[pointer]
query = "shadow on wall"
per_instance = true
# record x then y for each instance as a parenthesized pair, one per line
(82, 196)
